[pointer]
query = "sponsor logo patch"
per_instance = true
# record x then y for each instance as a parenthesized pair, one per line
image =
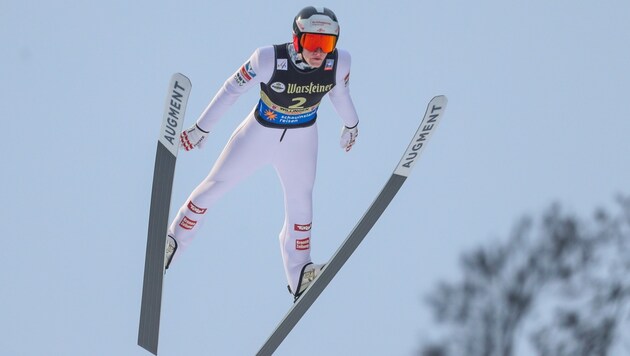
(298, 227)
(270, 115)
(239, 79)
(330, 63)
(245, 74)
(303, 244)
(311, 88)
(248, 71)
(195, 209)
(187, 223)
(282, 64)
(278, 87)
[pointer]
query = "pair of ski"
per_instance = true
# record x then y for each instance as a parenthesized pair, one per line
(168, 145)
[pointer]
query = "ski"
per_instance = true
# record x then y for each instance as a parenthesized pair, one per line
(427, 126)
(163, 174)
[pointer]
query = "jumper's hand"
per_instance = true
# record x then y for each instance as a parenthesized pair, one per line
(193, 137)
(348, 137)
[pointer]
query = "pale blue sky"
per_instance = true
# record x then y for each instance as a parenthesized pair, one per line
(538, 112)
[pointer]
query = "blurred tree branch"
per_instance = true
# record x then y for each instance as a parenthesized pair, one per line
(574, 273)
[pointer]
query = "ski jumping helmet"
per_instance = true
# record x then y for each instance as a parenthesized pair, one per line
(315, 27)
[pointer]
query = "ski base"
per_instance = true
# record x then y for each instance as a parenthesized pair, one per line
(163, 175)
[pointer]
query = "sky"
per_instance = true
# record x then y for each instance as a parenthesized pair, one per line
(538, 113)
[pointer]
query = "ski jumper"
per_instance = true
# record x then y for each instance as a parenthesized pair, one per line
(281, 131)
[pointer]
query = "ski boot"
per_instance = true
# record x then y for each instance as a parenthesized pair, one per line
(310, 271)
(171, 247)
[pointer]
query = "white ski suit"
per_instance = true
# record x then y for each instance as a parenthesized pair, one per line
(281, 131)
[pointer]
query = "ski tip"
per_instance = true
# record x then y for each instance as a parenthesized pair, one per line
(429, 122)
(440, 98)
(181, 78)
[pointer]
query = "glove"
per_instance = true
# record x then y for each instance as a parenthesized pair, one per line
(193, 137)
(348, 136)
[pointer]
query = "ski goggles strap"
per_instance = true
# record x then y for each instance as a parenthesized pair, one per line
(313, 41)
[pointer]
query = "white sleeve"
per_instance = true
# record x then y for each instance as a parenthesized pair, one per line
(340, 93)
(258, 68)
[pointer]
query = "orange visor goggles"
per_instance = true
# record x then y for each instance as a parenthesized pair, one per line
(313, 41)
